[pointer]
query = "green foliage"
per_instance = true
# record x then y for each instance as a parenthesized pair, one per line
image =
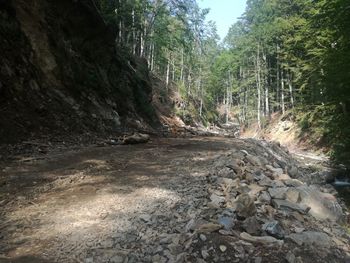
(281, 54)
(304, 122)
(307, 45)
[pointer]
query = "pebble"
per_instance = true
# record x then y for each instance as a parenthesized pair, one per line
(203, 237)
(223, 248)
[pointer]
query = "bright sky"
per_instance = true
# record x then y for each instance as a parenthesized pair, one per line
(223, 12)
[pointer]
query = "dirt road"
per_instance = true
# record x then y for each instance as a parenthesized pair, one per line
(170, 200)
(73, 206)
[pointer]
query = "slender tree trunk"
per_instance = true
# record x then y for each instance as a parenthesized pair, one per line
(258, 85)
(290, 90)
(267, 106)
(245, 100)
(277, 78)
(189, 81)
(167, 73)
(267, 90)
(182, 66)
(282, 92)
(133, 32)
(227, 102)
(201, 97)
(120, 29)
(173, 68)
(143, 40)
(152, 57)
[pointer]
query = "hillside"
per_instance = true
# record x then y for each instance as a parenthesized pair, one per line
(61, 73)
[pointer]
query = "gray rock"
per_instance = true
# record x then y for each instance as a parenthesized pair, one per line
(293, 182)
(255, 190)
(274, 229)
(208, 228)
(266, 240)
(254, 160)
(276, 172)
(181, 257)
(323, 205)
(244, 206)
(286, 205)
(278, 183)
(265, 181)
(311, 238)
(203, 237)
(216, 201)
(226, 221)
(252, 226)
(226, 172)
(299, 229)
(293, 195)
(145, 218)
(264, 198)
(278, 193)
(290, 257)
(293, 171)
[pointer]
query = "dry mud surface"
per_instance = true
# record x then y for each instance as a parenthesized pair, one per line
(140, 203)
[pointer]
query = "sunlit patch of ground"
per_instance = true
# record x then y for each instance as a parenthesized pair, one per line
(67, 205)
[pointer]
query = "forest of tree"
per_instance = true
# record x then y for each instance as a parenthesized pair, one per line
(281, 56)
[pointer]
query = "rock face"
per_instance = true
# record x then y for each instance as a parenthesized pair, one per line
(64, 75)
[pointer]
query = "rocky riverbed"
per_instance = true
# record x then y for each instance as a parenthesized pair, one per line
(170, 200)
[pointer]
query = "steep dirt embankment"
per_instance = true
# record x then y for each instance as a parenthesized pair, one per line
(60, 72)
(285, 130)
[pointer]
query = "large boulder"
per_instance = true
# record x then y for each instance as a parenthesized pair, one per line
(323, 205)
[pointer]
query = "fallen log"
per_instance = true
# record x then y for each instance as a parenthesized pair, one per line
(136, 138)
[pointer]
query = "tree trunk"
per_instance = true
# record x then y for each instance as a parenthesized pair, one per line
(290, 90)
(267, 106)
(227, 102)
(258, 85)
(143, 40)
(173, 69)
(133, 32)
(167, 73)
(152, 57)
(182, 66)
(277, 78)
(282, 92)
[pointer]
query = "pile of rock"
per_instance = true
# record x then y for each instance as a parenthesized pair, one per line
(255, 199)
